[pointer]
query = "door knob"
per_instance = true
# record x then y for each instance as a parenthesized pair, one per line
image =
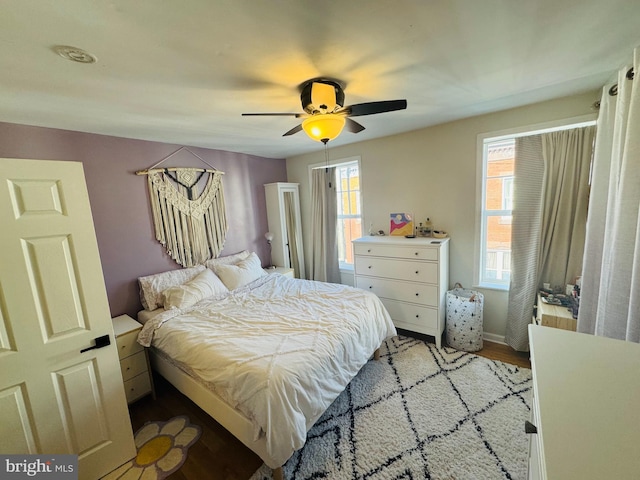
(100, 342)
(530, 427)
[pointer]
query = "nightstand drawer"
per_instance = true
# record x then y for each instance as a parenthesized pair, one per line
(133, 365)
(127, 344)
(137, 387)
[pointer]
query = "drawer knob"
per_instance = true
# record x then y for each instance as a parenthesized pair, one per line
(416, 253)
(369, 266)
(369, 251)
(416, 272)
(417, 316)
(370, 286)
(417, 294)
(530, 427)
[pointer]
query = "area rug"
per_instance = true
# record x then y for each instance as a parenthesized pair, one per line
(421, 412)
(162, 449)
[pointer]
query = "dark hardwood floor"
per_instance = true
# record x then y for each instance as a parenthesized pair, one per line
(218, 455)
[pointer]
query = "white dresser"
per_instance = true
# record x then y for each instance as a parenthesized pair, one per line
(586, 406)
(411, 277)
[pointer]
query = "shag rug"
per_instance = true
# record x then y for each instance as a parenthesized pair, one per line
(421, 412)
(162, 449)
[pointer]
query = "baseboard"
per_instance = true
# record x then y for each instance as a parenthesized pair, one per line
(492, 337)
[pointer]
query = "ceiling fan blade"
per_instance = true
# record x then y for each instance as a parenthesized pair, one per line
(371, 108)
(271, 114)
(353, 126)
(295, 129)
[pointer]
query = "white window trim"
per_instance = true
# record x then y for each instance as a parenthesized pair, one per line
(488, 137)
(338, 162)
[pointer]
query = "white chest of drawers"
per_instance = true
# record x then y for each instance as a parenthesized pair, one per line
(410, 275)
(133, 359)
(586, 392)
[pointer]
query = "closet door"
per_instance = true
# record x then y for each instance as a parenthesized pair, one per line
(283, 216)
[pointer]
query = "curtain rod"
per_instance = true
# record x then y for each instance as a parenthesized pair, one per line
(613, 91)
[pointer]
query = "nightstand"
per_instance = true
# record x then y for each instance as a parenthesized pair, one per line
(555, 316)
(287, 272)
(134, 362)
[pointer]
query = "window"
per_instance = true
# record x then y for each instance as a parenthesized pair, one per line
(349, 212)
(349, 206)
(495, 261)
(496, 160)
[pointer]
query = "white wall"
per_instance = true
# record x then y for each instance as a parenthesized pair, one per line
(432, 173)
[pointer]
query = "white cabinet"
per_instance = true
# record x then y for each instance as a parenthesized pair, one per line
(410, 275)
(585, 406)
(283, 216)
(133, 359)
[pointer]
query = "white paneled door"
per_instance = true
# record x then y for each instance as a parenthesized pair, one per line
(53, 304)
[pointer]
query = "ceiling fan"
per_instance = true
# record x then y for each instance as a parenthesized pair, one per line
(325, 114)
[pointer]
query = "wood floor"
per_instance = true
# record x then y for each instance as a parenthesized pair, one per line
(218, 455)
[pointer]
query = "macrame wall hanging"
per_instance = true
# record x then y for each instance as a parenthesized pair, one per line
(192, 226)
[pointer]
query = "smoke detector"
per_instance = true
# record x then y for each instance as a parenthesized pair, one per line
(75, 54)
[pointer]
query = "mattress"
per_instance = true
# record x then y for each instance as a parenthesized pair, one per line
(279, 350)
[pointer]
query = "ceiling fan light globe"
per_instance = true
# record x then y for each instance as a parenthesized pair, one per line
(323, 128)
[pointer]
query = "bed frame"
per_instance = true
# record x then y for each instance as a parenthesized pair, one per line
(230, 418)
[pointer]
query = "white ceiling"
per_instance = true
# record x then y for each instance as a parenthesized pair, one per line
(183, 71)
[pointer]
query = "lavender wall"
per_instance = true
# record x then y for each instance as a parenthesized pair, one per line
(120, 202)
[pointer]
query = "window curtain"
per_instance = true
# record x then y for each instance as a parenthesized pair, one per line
(610, 296)
(551, 176)
(324, 219)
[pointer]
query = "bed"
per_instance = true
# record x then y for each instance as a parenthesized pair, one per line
(263, 354)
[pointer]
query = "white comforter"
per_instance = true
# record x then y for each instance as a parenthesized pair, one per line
(280, 350)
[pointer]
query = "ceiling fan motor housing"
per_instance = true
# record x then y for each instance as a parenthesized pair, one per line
(321, 96)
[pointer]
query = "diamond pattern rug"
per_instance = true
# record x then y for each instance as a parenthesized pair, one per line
(421, 413)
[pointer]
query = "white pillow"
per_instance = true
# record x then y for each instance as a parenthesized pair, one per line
(152, 286)
(203, 285)
(245, 271)
(226, 260)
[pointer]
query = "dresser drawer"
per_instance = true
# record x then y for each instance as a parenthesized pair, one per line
(404, 291)
(127, 344)
(426, 272)
(133, 365)
(408, 252)
(412, 315)
(137, 387)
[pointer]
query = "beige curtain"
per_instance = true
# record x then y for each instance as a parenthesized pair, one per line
(551, 178)
(610, 297)
(292, 233)
(324, 218)
(567, 157)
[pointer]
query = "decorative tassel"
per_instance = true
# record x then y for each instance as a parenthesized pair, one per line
(192, 230)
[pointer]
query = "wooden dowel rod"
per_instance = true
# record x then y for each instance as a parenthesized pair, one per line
(173, 169)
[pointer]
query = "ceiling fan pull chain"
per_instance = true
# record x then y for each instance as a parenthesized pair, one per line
(326, 160)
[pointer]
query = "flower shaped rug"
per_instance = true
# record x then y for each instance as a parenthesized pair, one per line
(162, 449)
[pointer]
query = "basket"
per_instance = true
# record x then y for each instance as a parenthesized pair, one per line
(464, 319)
